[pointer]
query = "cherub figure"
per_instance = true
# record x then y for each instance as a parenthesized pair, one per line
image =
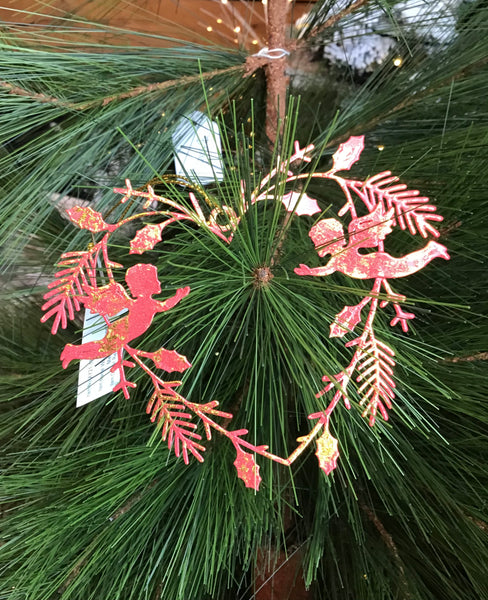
(109, 300)
(366, 232)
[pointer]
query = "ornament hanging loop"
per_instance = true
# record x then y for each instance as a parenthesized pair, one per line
(273, 54)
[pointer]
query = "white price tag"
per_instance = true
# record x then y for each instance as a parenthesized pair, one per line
(198, 149)
(94, 378)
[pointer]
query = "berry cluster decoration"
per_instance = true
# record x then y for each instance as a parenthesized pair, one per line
(389, 205)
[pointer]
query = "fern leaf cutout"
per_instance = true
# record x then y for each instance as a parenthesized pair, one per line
(376, 378)
(413, 212)
(65, 293)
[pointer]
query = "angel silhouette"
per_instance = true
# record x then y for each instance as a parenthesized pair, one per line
(366, 232)
(109, 300)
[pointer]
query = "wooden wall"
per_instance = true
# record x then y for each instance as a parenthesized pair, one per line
(182, 19)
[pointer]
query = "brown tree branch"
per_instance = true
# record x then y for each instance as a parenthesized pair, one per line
(276, 79)
(390, 544)
(132, 500)
(132, 93)
(473, 357)
(332, 20)
(449, 228)
(16, 90)
(479, 523)
(76, 569)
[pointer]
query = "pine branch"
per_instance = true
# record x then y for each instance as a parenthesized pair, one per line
(137, 91)
(390, 544)
(76, 569)
(471, 358)
(479, 523)
(408, 99)
(16, 90)
(134, 499)
(183, 552)
(331, 21)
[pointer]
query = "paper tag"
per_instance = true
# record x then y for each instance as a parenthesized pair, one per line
(198, 150)
(94, 378)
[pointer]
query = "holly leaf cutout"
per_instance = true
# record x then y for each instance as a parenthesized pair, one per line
(146, 238)
(348, 153)
(169, 360)
(346, 320)
(87, 218)
(301, 204)
(327, 452)
(247, 469)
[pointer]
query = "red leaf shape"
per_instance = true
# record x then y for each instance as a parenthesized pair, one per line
(348, 153)
(247, 469)
(146, 238)
(346, 320)
(87, 218)
(301, 204)
(169, 360)
(327, 452)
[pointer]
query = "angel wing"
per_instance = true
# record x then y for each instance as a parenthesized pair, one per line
(107, 300)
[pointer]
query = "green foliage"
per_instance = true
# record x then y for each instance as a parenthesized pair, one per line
(94, 506)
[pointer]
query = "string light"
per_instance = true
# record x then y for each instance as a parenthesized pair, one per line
(380, 147)
(398, 61)
(255, 42)
(237, 29)
(224, 1)
(264, 2)
(219, 21)
(209, 28)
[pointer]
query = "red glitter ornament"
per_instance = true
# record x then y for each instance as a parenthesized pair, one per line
(388, 204)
